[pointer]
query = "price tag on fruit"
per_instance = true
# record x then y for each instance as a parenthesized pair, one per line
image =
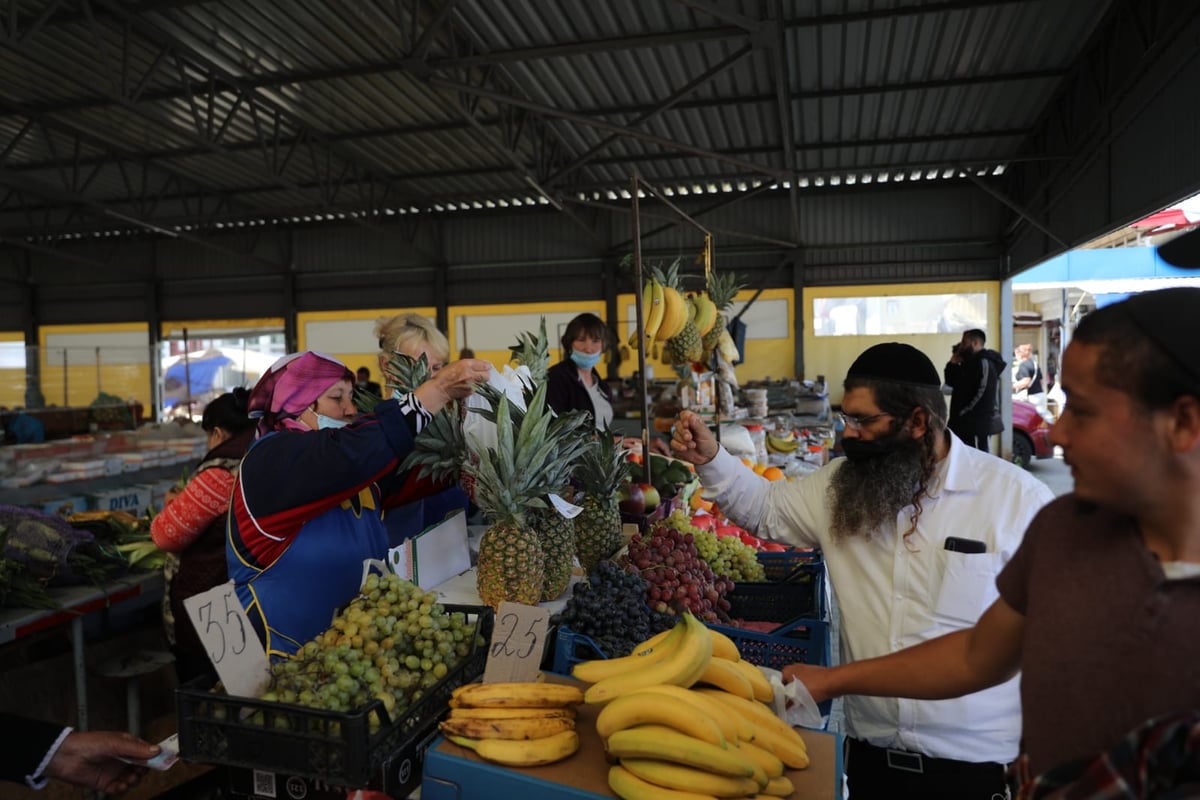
(518, 639)
(232, 645)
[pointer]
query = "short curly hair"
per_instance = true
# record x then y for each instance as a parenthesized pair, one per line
(406, 333)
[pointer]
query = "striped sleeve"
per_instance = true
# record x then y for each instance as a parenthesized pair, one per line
(202, 501)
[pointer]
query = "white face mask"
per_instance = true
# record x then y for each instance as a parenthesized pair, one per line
(324, 422)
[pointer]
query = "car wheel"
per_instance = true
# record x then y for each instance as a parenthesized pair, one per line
(1022, 450)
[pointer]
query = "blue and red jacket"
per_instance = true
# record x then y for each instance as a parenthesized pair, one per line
(307, 509)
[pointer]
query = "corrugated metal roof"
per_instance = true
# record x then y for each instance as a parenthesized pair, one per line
(293, 107)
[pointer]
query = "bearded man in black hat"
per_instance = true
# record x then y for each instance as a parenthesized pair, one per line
(914, 525)
(1098, 608)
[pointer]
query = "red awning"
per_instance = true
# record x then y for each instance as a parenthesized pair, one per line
(1166, 219)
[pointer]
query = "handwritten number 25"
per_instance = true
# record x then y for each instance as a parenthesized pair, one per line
(503, 646)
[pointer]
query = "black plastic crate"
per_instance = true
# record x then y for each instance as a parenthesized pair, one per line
(802, 595)
(334, 747)
(789, 563)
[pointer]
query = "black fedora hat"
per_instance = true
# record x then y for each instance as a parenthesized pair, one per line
(1182, 251)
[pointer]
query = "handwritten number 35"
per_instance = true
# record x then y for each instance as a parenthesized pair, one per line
(232, 620)
(503, 646)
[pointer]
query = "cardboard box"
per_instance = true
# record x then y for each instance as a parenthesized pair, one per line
(455, 773)
(61, 505)
(134, 498)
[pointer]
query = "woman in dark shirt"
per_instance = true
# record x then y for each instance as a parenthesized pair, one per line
(573, 383)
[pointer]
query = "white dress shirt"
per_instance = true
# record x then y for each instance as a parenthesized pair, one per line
(892, 593)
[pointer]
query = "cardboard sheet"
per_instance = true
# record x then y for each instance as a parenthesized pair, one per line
(585, 774)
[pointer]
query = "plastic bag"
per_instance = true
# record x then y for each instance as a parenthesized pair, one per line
(479, 431)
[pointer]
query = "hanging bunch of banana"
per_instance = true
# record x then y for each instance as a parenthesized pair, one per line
(722, 288)
(664, 309)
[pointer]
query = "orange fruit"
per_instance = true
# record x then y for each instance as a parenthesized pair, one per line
(759, 469)
(773, 474)
(747, 462)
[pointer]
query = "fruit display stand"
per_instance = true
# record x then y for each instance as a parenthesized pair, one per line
(266, 742)
(452, 772)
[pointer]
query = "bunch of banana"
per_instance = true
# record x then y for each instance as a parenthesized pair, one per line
(771, 733)
(706, 312)
(679, 659)
(782, 444)
(515, 724)
(664, 309)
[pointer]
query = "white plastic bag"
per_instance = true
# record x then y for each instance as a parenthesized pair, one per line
(793, 704)
(479, 431)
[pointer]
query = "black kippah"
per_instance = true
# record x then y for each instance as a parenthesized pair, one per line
(1182, 251)
(895, 362)
(1171, 319)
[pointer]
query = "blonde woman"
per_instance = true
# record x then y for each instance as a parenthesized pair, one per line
(411, 335)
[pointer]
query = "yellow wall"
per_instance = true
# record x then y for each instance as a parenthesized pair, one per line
(12, 379)
(123, 372)
(369, 355)
(832, 355)
(496, 351)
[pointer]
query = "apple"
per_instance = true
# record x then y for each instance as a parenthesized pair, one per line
(650, 495)
(631, 499)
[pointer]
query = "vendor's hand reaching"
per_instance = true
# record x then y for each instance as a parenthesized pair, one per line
(691, 440)
(454, 381)
(815, 680)
(92, 759)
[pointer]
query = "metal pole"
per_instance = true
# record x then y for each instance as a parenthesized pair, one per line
(187, 375)
(640, 322)
(709, 256)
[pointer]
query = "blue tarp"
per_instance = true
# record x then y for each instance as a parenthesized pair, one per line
(199, 373)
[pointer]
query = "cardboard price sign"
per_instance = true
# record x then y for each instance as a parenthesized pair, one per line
(232, 645)
(518, 639)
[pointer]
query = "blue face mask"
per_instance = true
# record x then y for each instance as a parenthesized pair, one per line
(324, 422)
(584, 360)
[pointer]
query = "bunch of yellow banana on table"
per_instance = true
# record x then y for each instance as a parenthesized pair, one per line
(786, 443)
(515, 724)
(686, 717)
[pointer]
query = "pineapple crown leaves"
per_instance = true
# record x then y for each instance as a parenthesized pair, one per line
(533, 352)
(440, 449)
(723, 287)
(528, 460)
(365, 401)
(602, 467)
(406, 373)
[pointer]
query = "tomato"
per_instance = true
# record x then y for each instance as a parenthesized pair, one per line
(728, 530)
(774, 547)
(705, 522)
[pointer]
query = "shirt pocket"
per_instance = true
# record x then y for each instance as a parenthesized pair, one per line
(968, 585)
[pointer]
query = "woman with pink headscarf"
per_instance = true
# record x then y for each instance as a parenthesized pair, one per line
(309, 502)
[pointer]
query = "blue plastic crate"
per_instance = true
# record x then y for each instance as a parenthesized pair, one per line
(800, 640)
(804, 641)
(570, 648)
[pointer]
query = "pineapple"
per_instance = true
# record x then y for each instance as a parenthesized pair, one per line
(557, 536)
(598, 527)
(533, 352)
(533, 450)
(440, 449)
(722, 288)
(685, 346)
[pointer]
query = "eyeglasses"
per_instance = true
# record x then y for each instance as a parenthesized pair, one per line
(855, 423)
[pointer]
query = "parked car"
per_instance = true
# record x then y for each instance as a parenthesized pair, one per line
(1031, 434)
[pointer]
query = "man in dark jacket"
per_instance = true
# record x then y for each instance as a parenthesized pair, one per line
(973, 373)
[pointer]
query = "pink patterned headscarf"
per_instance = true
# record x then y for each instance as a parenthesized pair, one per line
(292, 384)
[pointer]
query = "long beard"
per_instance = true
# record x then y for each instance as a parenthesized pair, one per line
(865, 496)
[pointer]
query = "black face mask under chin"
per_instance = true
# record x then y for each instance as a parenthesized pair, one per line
(862, 450)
